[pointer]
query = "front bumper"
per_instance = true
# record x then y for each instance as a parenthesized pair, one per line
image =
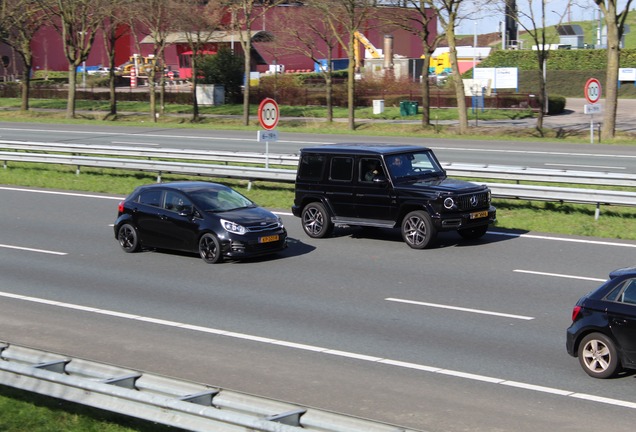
(237, 246)
(448, 222)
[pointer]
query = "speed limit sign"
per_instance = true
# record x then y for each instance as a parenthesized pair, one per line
(268, 113)
(593, 90)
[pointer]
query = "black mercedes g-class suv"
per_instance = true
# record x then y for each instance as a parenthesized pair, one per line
(388, 186)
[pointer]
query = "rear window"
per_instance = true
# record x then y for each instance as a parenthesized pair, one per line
(341, 169)
(150, 197)
(311, 167)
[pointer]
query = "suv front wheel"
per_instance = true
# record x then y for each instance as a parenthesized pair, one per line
(417, 229)
(316, 221)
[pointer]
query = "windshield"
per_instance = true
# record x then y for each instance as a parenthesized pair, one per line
(220, 200)
(414, 166)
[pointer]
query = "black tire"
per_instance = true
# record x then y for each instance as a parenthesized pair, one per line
(417, 230)
(598, 356)
(473, 233)
(128, 238)
(210, 249)
(316, 221)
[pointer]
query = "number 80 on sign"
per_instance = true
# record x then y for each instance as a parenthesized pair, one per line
(268, 113)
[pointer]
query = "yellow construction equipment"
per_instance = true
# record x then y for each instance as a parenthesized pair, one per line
(369, 47)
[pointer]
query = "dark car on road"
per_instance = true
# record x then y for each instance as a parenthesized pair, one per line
(210, 219)
(387, 186)
(603, 330)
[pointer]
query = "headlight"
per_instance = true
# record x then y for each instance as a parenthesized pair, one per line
(280, 222)
(449, 203)
(232, 227)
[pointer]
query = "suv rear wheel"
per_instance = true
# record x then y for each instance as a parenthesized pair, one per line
(316, 221)
(417, 229)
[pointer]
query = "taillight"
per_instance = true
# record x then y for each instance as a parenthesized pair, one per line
(120, 208)
(575, 312)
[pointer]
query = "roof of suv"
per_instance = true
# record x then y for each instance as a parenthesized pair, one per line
(364, 148)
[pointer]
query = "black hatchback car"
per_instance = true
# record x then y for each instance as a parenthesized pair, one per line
(603, 330)
(206, 218)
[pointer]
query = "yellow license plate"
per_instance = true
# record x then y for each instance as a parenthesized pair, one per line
(477, 215)
(268, 239)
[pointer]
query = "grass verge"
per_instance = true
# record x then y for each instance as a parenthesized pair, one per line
(546, 217)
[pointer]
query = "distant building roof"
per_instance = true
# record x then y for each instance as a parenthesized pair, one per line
(217, 36)
(569, 30)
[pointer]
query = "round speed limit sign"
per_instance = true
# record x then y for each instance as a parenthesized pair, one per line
(268, 113)
(592, 90)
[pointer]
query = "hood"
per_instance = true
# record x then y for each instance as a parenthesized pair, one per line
(249, 216)
(441, 185)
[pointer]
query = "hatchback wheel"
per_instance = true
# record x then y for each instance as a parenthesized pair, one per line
(316, 222)
(417, 230)
(598, 356)
(128, 238)
(210, 249)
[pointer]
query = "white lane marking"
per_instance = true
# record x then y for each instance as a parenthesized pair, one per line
(322, 350)
(135, 143)
(181, 137)
(586, 166)
(559, 275)
(484, 150)
(461, 309)
(76, 194)
(50, 252)
(540, 237)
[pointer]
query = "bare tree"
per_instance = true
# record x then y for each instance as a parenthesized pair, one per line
(77, 22)
(615, 23)
(20, 20)
(153, 18)
(345, 18)
(244, 14)
(199, 28)
(532, 18)
(112, 27)
(311, 26)
(418, 18)
(449, 13)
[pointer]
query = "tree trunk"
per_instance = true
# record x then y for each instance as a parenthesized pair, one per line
(611, 86)
(246, 92)
(26, 87)
(329, 94)
(459, 85)
(153, 99)
(351, 84)
(426, 89)
(72, 82)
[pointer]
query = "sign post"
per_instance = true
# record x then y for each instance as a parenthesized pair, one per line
(268, 115)
(592, 92)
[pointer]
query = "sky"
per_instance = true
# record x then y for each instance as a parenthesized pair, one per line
(486, 21)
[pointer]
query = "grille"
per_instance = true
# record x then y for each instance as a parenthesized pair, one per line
(464, 201)
(261, 228)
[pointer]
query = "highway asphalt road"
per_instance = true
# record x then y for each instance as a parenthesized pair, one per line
(468, 336)
(550, 155)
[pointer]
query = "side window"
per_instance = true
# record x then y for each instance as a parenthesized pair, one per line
(629, 293)
(370, 168)
(151, 198)
(624, 293)
(341, 169)
(311, 167)
(177, 203)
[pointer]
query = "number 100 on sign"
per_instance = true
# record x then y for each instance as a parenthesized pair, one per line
(268, 113)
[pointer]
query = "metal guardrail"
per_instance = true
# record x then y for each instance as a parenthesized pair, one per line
(164, 400)
(251, 169)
